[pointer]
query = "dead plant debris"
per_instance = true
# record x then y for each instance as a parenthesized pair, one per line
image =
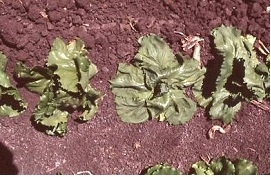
(211, 132)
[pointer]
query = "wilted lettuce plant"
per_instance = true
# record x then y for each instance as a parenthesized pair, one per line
(239, 79)
(154, 85)
(11, 103)
(63, 86)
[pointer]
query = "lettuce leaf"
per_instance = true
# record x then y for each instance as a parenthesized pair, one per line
(154, 85)
(244, 167)
(63, 86)
(11, 103)
(72, 64)
(35, 79)
(238, 79)
(162, 169)
(223, 166)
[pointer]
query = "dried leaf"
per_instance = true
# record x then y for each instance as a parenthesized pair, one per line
(215, 128)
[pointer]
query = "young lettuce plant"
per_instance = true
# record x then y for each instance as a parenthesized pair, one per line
(11, 103)
(162, 169)
(238, 79)
(223, 166)
(154, 85)
(63, 85)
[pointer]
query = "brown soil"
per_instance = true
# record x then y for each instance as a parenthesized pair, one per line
(105, 145)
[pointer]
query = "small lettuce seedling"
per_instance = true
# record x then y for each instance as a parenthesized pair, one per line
(162, 169)
(223, 166)
(154, 85)
(240, 78)
(11, 103)
(63, 85)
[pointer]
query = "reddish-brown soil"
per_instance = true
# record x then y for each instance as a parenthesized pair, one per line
(105, 145)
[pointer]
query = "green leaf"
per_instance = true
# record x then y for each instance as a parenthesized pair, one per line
(89, 105)
(63, 85)
(245, 167)
(201, 168)
(173, 107)
(131, 106)
(3, 76)
(128, 77)
(154, 54)
(11, 103)
(73, 67)
(221, 108)
(131, 94)
(252, 79)
(154, 86)
(238, 80)
(48, 114)
(223, 166)
(35, 79)
(263, 69)
(162, 169)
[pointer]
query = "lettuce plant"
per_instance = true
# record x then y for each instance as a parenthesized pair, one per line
(11, 103)
(154, 85)
(63, 86)
(238, 79)
(162, 169)
(223, 166)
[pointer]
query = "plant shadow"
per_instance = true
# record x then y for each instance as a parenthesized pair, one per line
(6, 161)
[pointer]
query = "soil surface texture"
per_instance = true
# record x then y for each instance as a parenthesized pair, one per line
(110, 29)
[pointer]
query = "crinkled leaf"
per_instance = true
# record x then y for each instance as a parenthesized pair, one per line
(154, 86)
(131, 94)
(201, 168)
(48, 115)
(238, 79)
(173, 107)
(222, 166)
(263, 69)
(253, 80)
(162, 169)
(6, 110)
(223, 106)
(245, 167)
(232, 45)
(35, 79)
(73, 67)
(154, 54)
(89, 104)
(182, 109)
(11, 103)
(5, 82)
(130, 110)
(63, 86)
(128, 76)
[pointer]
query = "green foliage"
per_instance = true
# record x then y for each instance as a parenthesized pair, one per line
(162, 169)
(223, 166)
(244, 167)
(238, 79)
(263, 69)
(11, 103)
(62, 85)
(154, 85)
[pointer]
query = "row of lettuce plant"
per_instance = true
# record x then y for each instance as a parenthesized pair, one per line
(153, 86)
